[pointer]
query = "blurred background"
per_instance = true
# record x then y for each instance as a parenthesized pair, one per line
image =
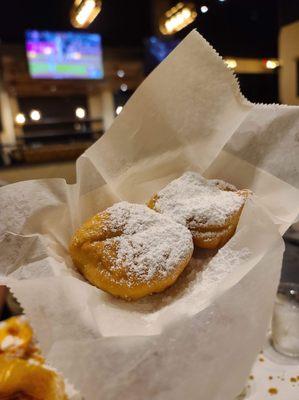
(67, 67)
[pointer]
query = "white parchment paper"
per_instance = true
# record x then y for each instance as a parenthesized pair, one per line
(199, 339)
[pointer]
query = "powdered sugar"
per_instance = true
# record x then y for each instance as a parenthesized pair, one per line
(206, 273)
(204, 276)
(195, 201)
(151, 245)
(220, 266)
(210, 235)
(10, 341)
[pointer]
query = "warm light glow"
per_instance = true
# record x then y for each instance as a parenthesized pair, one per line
(231, 63)
(204, 9)
(120, 73)
(169, 25)
(35, 115)
(123, 87)
(118, 109)
(186, 13)
(251, 65)
(20, 119)
(272, 64)
(177, 18)
(84, 12)
(80, 112)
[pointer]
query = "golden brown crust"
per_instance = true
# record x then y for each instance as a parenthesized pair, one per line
(22, 373)
(20, 378)
(152, 202)
(20, 333)
(116, 285)
(216, 237)
(212, 236)
(94, 256)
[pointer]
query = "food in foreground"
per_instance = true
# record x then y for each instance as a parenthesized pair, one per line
(15, 337)
(30, 380)
(131, 251)
(23, 374)
(209, 208)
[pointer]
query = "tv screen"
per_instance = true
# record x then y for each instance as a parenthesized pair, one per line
(64, 55)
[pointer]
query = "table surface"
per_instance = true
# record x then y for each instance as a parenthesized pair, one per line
(273, 376)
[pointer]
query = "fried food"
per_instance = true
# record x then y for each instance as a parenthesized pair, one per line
(131, 251)
(15, 336)
(23, 374)
(209, 208)
(22, 379)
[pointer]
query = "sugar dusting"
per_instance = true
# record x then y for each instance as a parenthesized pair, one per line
(10, 341)
(151, 245)
(226, 260)
(198, 202)
(207, 270)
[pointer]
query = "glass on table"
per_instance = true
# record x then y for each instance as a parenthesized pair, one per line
(285, 321)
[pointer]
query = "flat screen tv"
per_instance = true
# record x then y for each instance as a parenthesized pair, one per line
(64, 55)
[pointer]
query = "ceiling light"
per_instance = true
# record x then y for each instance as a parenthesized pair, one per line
(120, 73)
(123, 87)
(177, 18)
(231, 63)
(35, 115)
(204, 9)
(84, 12)
(272, 64)
(20, 119)
(118, 109)
(80, 112)
(186, 12)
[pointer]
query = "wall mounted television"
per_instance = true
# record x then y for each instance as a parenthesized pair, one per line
(64, 55)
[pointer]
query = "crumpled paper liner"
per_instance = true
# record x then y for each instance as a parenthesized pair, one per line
(199, 339)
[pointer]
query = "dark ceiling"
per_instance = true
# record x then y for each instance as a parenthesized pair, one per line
(120, 22)
(234, 27)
